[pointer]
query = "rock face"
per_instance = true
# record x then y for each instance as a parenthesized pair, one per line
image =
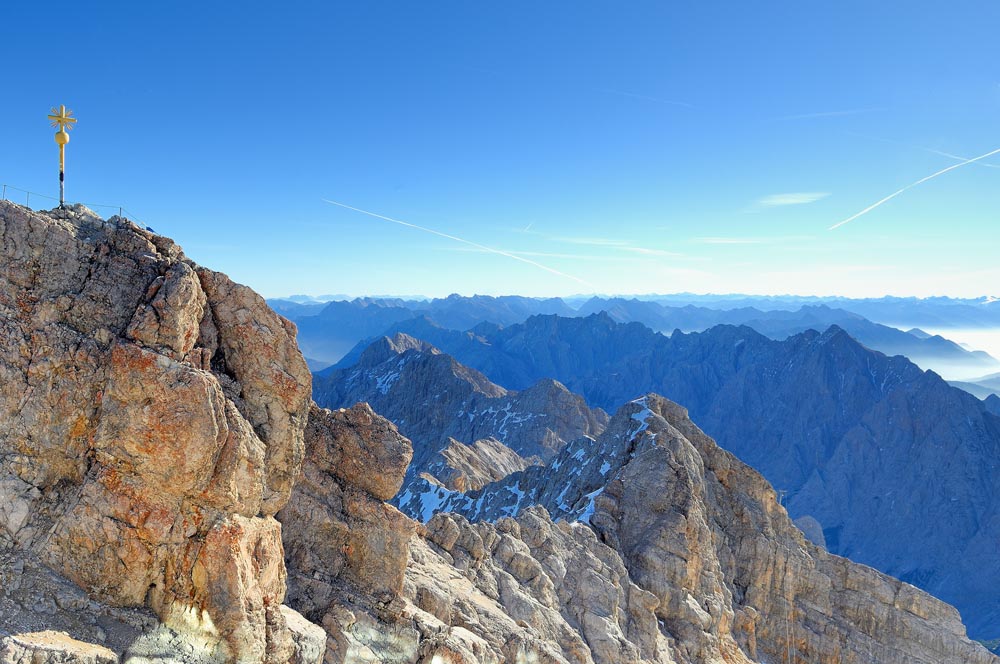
(877, 452)
(387, 590)
(666, 549)
(154, 417)
(434, 400)
(462, 467)
(54, 647)
(343, 542)
(787, 596)
(529, 590)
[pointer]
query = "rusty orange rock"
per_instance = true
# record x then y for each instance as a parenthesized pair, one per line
(157, 414)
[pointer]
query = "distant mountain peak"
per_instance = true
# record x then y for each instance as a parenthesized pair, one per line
(833, 333)
(386, 347)
(435, 399)
(816, 413)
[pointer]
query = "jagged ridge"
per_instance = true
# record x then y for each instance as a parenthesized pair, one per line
(433, 400)
(879, 453)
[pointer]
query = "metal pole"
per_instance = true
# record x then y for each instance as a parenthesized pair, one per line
(5, 192)
(62, 175)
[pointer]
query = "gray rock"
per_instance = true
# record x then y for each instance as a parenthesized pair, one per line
(880, 453)
(51, 647)
(462, 467)
(664, 549)
(434, 400)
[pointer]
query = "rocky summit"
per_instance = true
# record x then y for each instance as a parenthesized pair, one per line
(153, 424)
(170, 495)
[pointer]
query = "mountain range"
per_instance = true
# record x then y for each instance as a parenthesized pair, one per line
(439, 404)
(983, 387)
(905, 312)
(327, 332)
(169, 493)
(870, 449)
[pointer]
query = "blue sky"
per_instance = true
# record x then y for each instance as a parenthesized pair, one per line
(626, 147)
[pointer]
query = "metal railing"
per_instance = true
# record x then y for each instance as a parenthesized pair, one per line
(122, 210)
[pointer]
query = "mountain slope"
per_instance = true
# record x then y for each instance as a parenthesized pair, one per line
(992, 403)
(434, 399)
(688, 558)
(845, 431)
(928, 351)
(327, 335)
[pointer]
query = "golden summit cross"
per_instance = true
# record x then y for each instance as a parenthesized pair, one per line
(62, 118)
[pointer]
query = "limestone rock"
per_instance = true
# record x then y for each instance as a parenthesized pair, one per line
(309, 639)
(667, 549)
(359, 448)
(878, 452)
(154, 422)
(50, 647)
(462, 467)
(435, 400)
(553, 589)
(340, 535)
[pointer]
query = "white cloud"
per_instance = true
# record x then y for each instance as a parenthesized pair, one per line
(795, 198)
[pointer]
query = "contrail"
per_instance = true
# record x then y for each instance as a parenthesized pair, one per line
(458, 239)
(915, 147)
(911, 186)
(956, 157)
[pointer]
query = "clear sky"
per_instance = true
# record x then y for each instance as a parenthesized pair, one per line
(628, 147)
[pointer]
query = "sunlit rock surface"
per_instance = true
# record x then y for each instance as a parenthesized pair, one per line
(650, 544)
(154, 415)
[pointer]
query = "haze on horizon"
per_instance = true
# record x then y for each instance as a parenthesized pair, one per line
(538, 150)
